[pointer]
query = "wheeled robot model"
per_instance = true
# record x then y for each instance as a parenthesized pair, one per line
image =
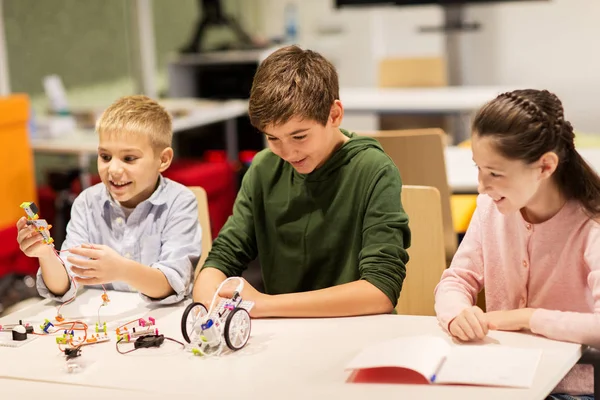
(228, 324)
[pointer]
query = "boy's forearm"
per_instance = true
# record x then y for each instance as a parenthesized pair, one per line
(350, 299)
(54, 274)
(147, 280)
(206, 284)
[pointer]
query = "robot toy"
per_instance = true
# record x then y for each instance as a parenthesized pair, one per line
(229, 324)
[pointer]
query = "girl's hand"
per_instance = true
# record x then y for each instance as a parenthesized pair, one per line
(510, 320)
(471, 324)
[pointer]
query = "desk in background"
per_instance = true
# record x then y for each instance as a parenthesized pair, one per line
(462, 172)
(449, 99)
(458, 101)
(84, 143)
(284, 358)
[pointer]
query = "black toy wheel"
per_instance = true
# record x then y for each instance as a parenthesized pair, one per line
(192, 314)
(237, 329)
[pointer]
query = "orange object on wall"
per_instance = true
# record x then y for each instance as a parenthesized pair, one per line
(17, 176)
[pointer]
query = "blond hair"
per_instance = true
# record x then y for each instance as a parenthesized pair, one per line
(293, 83)
(140, 115)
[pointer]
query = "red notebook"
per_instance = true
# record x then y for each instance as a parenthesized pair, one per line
(436, 360)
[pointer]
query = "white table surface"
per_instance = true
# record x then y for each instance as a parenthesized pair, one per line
(450, 99)
(462, 172)
(292, 359)
(27, 389)
(200, 113)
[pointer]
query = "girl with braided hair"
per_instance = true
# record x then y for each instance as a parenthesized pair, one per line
(534, 240)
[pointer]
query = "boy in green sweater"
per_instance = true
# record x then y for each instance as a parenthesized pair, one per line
(320, 207)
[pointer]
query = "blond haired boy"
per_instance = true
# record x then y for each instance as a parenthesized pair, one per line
(135, 231)
(320, 207)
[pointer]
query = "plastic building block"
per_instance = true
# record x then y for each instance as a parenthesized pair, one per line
(33, 219)
(103, 328)
(46, 325)
(97, 339)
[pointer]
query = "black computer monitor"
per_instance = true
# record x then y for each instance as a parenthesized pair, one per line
(343, 3)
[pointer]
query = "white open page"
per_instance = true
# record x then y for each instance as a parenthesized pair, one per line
(422, 354)
(490, 365)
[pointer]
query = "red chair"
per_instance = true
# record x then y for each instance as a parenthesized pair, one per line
(218, 180)
(12, 258)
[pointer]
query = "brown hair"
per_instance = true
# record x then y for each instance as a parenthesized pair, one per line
(528, 123)
(292, 82)
(138, 115)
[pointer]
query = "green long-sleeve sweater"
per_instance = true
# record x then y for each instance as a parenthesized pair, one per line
(340, 223)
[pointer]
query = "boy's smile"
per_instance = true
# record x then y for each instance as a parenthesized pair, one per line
(304, 143)
(118, 186)
(129, 167)
(299, 164)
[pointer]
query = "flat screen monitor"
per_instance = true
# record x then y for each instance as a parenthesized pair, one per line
(344, 3)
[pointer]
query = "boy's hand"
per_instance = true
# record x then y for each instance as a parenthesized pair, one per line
(510, 320)
(471, 324)
(30, 240)
(248, 293)
(103, 266)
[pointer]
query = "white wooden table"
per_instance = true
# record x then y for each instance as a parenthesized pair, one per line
(84, 142)
(459, 102)
(462, 172)
(449, 99)
(284, 358)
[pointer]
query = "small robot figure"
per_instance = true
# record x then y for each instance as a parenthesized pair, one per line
(33, 219)
(227, 324)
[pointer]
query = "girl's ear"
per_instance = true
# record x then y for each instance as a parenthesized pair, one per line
(549, 163)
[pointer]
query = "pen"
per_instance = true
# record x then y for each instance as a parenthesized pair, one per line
(437, 370)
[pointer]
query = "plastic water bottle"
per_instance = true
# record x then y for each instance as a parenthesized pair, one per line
(291, 23)
(32, 124)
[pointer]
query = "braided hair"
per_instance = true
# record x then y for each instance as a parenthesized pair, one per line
(528, 123)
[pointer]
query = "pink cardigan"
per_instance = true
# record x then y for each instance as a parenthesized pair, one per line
(553, 267)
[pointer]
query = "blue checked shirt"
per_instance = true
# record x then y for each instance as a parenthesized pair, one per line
(162, 232)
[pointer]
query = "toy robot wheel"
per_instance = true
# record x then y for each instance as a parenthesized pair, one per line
(237, 329)
(191, 316)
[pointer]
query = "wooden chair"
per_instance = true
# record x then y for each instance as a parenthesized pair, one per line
(203, 217)
(412, 73)
(427, 257)
(419, 155)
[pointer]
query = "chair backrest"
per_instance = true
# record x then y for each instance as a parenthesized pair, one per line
(204, 218)
(419, 155)
(412, 72)
(416, 72)
(427, 259)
